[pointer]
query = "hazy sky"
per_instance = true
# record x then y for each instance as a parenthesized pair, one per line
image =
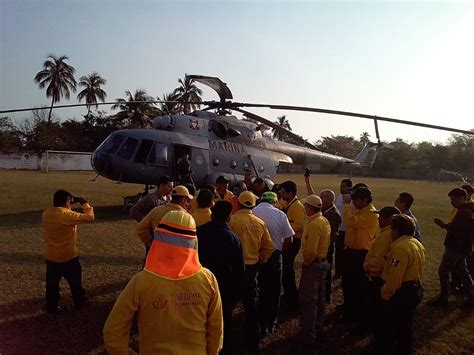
(412, 61)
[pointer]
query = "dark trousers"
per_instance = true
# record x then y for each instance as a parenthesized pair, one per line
(373, 303)
(339, 252)
(71, 270)
(288, 275)
(227, 308)
(330, 260)
(396, 320)
(454, 262)
(312, 303)
(250, 301)
(269, 282)
(354, 283)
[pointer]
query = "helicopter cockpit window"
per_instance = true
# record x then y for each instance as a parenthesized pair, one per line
(112, 143)
(158, 154)
(143, 150)
(218, 129)
(128, 148)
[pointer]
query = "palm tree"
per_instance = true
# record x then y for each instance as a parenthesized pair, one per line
(59, 76)
(92, 90)
(169, 107)
(137, 114)
(283, 124)
(187, 94)
(364, 138)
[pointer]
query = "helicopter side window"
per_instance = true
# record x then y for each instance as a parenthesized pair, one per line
(128, 148)
(143, 151)
(218, 129)
(112, 144)
(158, 154)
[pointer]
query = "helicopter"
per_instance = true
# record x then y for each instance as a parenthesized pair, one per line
(219, 144)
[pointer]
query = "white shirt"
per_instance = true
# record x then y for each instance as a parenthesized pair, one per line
(277, 223)
(340, 207)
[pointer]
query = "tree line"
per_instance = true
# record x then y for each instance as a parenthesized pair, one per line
(42, 130)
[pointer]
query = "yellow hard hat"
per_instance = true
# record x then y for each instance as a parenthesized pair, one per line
(179, 223)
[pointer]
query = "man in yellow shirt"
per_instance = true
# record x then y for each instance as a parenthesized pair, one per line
(315, 244)
(176, 300)
(180, 198)
(373, 266)
(205, 200)
(257, 247)
(361, 223)
(222, 192)
(402, 291)
(60, 235)
(295, 212)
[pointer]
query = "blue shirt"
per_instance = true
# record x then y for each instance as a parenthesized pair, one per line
(220, 251)
(417, 228)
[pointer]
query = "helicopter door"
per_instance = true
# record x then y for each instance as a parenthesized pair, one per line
(182, 165)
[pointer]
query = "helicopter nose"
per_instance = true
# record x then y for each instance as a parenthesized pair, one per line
(100, 162)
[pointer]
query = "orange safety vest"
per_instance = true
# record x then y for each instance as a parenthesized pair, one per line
(173, 253)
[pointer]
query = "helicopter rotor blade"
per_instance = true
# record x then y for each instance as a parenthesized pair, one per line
(276, 127)
(347, 113)
(84, 105)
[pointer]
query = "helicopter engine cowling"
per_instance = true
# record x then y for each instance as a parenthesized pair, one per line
(163, 122)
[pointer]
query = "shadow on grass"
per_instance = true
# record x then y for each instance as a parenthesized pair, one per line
(25, 331)
(434, 322)
(86, 260)
(33, 218)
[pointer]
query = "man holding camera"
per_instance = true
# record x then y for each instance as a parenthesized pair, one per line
(60, 235)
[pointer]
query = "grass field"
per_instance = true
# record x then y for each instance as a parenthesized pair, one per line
(111, 254)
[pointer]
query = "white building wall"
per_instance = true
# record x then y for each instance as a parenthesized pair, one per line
(55, 160)
(21, 161)
(51, 160)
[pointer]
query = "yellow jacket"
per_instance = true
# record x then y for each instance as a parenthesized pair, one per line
(60, 231)
(316, 237)
(148, 224)
(202, 216)
(193, 206)
(361, 226)
(253, 233)
(227, 196)
(296, 215)
(404, 263)
(374, 260)
(175, 316)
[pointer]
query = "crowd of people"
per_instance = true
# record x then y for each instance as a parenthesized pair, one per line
(248, 241)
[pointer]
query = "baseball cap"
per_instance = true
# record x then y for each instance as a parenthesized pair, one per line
(388, 211)
(247, 199)
(181, 191)
(222, 180)
(361, 192)
(358, 185)
(269, 196)
(407, 220)
(312, 200)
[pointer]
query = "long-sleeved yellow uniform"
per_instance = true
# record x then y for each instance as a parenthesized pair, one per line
(60, 231)
(227, 196)
(361, 226)
(404, 263)
(202, 216)
(253, 233)
(148, 224)
(296, 215)
(316, 237)
(374, 260)
(175, 316)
